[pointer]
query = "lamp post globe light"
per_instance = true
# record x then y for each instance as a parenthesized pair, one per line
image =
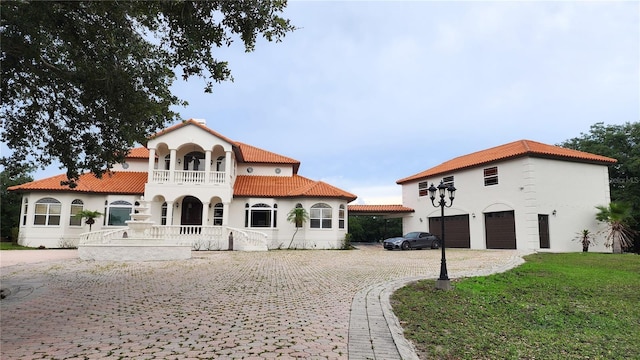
(443, 282)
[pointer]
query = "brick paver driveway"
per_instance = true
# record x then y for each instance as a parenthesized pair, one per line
(218, 305)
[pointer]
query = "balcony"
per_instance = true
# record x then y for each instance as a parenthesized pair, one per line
(189, 177)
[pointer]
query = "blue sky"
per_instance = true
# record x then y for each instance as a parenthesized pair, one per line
(367, 92)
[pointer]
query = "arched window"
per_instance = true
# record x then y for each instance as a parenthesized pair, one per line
(341, 217)
(262, 215)
(320, 216)
(47, 212)
(118, 212)
(163, 214)
(218, 211)
(76, 207)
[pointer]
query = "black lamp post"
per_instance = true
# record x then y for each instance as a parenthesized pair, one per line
(443, 282)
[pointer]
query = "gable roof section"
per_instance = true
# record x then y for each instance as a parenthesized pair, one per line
(191, 122)
(285, 186)
(509, 151)
(379, 209)
(121, 182)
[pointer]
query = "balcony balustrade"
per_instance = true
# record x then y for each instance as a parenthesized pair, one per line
(189, 177)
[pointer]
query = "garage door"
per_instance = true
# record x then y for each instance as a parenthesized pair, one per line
(456, 229)
(500, 230)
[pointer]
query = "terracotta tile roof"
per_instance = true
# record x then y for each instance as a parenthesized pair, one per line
(511, 150)
(138, 153)
(252, 154)
(286, 186)
(123, 182)
(379, 209)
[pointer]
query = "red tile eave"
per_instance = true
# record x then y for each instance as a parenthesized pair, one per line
(129, 183)
(287, 187)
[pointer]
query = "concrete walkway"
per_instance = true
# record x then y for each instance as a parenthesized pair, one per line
(219, 305)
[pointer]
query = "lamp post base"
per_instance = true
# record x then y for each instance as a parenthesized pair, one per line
(443, 284)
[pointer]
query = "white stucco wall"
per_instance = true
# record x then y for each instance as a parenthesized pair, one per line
(52, 236)
(307, 237)
(528, 186)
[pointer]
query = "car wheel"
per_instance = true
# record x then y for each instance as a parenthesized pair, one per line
(405, 245)
(435, 245)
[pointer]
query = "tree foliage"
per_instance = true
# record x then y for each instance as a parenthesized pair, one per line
(83, 82)
(621, 142)
(10, 202)
(373, 228)
(617, 216)
(298, 216)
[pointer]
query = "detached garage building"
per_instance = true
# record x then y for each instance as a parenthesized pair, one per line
(522, 195)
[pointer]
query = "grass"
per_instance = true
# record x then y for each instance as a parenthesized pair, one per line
(555, 306)
(11, 246)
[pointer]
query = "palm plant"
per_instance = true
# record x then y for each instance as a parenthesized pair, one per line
(89, 215)
(617, 216)
(298, 215)
(585, 238)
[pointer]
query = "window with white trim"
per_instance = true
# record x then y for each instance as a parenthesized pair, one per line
(117, 212)
(218, 211)
(447, 181)
(423, 188)
(320, 216)
(262, 215)
(491, 176)
(76, 207)
(47, 212)
(341, 216)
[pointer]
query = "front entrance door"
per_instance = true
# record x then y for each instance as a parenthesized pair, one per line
(191, 211)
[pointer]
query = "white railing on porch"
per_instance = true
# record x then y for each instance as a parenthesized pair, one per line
(198, 237)
(188, 177)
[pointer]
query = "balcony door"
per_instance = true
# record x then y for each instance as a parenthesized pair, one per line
(191, 211)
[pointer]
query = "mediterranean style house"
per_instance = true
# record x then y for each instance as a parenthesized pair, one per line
(195, 184)
(522, 195)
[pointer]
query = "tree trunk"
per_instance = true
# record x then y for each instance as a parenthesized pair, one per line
(617, 247)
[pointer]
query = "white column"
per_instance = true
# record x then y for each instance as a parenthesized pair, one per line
(169, 212)
(205, 213)
(225, 214)
(207, 166)
(152, 161)
(227, 168)
(172, 166)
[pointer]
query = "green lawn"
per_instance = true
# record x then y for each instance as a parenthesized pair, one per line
(555, 306)
(10, 246)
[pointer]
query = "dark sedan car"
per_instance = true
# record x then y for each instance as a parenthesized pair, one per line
(413, 240)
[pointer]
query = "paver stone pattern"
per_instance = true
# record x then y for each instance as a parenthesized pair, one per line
(217, 305)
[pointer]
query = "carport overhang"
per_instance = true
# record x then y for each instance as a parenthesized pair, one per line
(386, 211)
